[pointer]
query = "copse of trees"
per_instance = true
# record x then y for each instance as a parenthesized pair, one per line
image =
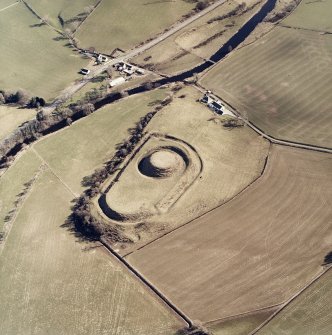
(45, 124)
(277, 16)
(33, 129)
(21, 98)
(233, 123)
(36, 102)
(239, 8)
(196, 329)
(201, 5)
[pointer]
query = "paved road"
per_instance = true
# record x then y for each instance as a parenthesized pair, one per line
(70, 90)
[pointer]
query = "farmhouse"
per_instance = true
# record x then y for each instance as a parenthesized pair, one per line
(212, 102)
(216, 106)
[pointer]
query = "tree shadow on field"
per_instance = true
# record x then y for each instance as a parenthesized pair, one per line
(60, 38)
(154, 103)
(74, 226)
(327, 259)
(98, 79)
(87, 242)
(37, 25)
(196, 329)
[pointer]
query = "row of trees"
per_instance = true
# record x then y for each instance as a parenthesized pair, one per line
(239, 8)
(21, 98)
(82, 218)
(34, 129)
(196, 329)
(61, 117)
(277, 16)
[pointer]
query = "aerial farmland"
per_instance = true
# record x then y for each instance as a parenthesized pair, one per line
(165, 167)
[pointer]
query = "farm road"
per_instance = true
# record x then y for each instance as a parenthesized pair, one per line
(284, 305)
(13, 4)
(267, 136)
(73, 88)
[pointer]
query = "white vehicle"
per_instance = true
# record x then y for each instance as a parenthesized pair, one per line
(117, 81)
(102, 58)
(84, 71)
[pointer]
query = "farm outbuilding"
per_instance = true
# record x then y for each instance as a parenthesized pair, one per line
(117, 81)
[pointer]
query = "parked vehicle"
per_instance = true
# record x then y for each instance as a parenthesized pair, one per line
(84, 71)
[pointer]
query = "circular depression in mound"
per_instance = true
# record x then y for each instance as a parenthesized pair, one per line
(162, 163)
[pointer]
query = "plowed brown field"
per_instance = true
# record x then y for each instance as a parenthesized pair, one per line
(253, 252)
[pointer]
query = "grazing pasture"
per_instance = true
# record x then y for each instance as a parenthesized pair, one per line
(230, 162)
(51, 283)
(76, 151)
(253, 252)
(12, 117)
(6, 3)
(30, 56)
(313, 15)
(199, 40)
(67, 9)
(124, 24)
(310, 313)
(282, 82)
(12, 183)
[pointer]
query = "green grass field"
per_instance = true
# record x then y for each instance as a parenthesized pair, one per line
(12, 117)
(124, 24)
(53, 284)
(30, 57)
(13, 180)
(282, 82)
(309, 314)
(71, 288)
(77, 150)
(311, 15)
(5, 3)
(230, 162)
(66, 8)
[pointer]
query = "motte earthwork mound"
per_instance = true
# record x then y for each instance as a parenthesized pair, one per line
(162, 163)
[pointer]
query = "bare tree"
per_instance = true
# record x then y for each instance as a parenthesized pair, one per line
(45, 19)
(148, 85)
(202, 5)
(88, 108)
(88, 9)
(2, 99)
(22, 97)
